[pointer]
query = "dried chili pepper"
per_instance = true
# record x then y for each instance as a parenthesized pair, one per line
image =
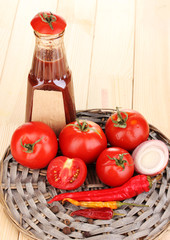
(132, 188)
(110, 204)
(104, 213)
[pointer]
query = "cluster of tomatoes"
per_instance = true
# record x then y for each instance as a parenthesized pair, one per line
(82, 142)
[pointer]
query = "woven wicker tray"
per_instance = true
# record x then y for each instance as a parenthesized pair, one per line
(24, 194)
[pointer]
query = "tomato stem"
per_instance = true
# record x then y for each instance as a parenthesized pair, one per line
(29, 146)
(84, 126)
(119, 161)
(120, 122)
(48, 19)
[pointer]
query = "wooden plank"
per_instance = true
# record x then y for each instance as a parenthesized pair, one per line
(151, 71)
(18, 61)
(6, 23)
(112, 59)
(7, 230)
(80, 17)
(24, 237)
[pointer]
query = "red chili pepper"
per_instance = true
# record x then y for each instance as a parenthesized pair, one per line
(96, 213)
(133, 187)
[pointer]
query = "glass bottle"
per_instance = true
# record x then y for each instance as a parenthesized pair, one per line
(50, 96)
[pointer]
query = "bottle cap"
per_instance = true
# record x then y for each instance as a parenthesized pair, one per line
(48, 23)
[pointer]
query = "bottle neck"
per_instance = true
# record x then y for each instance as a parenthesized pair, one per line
(49, 61)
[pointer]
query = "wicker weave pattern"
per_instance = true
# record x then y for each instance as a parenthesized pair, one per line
(25, 192)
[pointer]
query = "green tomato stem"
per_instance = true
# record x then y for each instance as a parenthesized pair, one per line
(29, 146)
(120, 122)
(119, 161)
(48, 19)
(84, 126)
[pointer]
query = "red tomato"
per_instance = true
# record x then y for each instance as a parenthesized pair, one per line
(48, 23)
(82, 139)
(114, 166)
(126, 129)
(66, 173)
(34, 145)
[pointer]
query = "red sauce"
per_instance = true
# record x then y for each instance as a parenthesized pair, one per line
(50, 72)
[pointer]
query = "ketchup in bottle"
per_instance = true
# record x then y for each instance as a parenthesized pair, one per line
(50, 96)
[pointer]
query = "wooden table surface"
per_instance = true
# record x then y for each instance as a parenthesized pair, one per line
(119, 53)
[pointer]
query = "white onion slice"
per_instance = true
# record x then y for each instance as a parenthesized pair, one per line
(151, 157)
